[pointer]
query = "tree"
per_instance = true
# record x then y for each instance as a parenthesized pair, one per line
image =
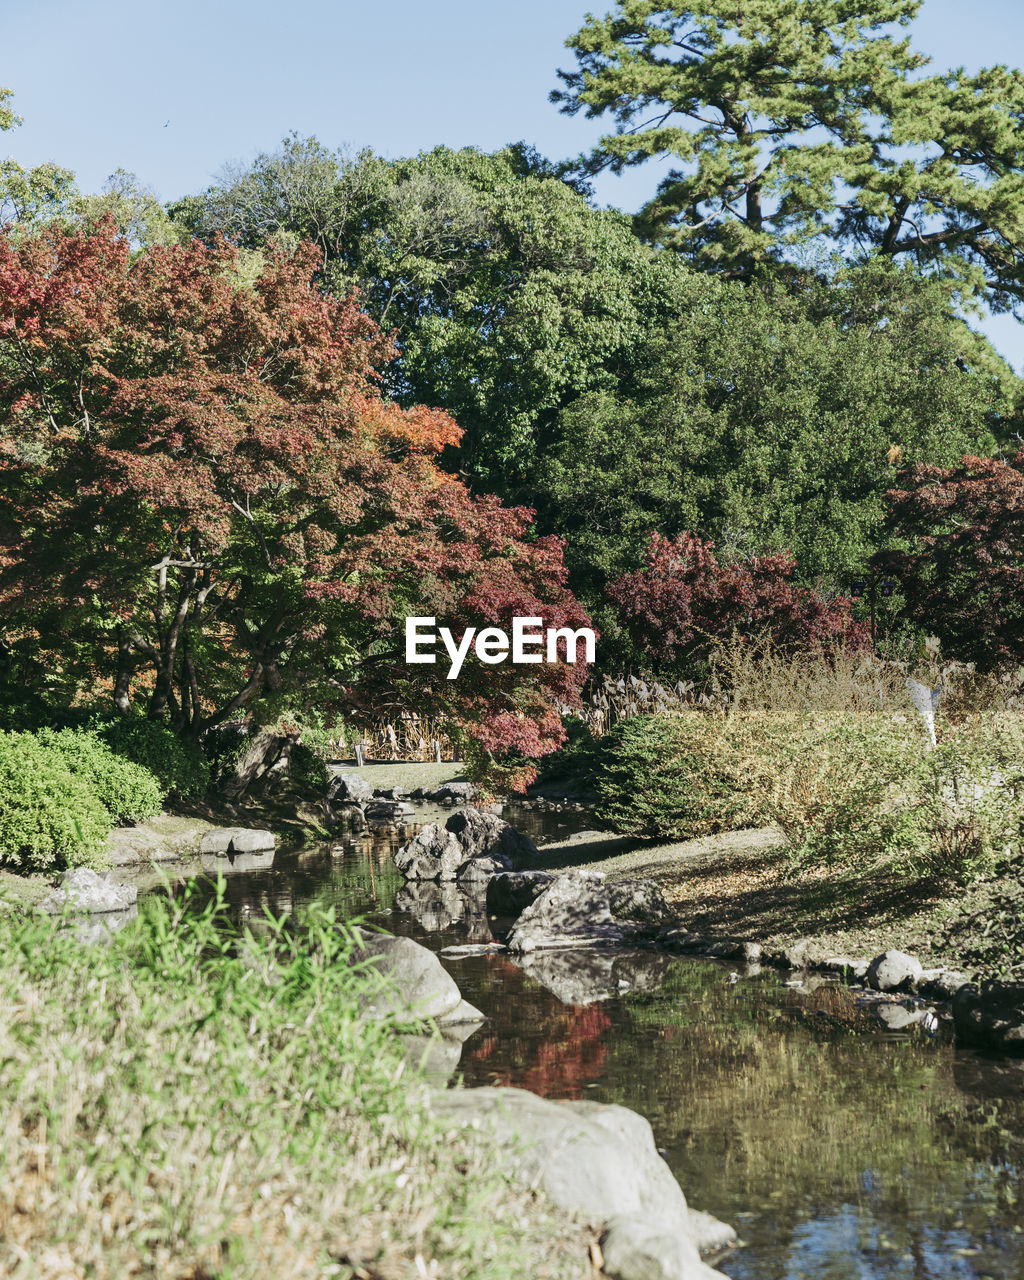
(959, 555)
(773, 416)
(508, 295)
(685, 598)
(206, 503)
(31, 196)
(807, 119)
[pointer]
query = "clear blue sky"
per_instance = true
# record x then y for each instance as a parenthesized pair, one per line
(96, 80)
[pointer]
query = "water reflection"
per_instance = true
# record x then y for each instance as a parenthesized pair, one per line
(837, 1149)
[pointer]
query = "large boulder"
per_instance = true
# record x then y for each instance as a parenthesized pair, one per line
(589, 1158)
(893, 971)
(470, 847)
(991, 1015)
(84, 890)
(509, 893)
(349, 787)
(228, 840)
(388, 812)
(573, 910)
(455, 792)
(412, 983)
(432, 854)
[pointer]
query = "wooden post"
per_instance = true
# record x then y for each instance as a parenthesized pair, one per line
(359, 754)
(437, 751)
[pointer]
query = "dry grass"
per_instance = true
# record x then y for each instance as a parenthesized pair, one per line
(174, 1109)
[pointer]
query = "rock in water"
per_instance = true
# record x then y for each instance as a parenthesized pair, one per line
(470, 847)
(84, 890)
(573, 910)
(351, 787)
(593, 1159)
(455, 791)
(992, 1015)
(414, 984)
(228, 840)
(893, 971)
(432, 854)
(509, 893)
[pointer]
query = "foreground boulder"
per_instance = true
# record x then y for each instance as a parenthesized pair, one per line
(471, 846)
(639, 902)
(573, 910)
(992, 1015)
(84, 890)
(596, 1160)
(413, 983)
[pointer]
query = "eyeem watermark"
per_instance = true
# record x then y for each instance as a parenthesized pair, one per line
(528, 643)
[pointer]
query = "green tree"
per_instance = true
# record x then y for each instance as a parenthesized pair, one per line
(30, 197)
(773, 417)
(798, 119)
(508, 294)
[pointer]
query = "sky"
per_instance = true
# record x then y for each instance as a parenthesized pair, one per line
(173, 91)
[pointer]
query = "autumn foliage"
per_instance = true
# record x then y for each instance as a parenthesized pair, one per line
(685, 598)
(206, 502)
(961, 563)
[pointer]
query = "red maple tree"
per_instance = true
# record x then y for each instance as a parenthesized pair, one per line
(959, 558)
(685, 598)
(207, 502)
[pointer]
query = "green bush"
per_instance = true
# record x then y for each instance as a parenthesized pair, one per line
(180, 767)
(50, 817)
(968, 809)
(307, 767)
(841, 791)
(129, 792)
(671, 776)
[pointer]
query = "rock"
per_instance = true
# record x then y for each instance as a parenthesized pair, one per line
(893, 971)
(455, 792)
(589, 1158)
(228, 840)
(432, 854)
(802, 954)
(573, 909)
(413, 982)
(991, 1015)
(941, 984)
(391, 793)
(709, 1234)
(487, 835)
(349, 786)
(82, 889)
(509, 893)
(844, 966)
(388, 812)
(638, 902)
(470, 847)
(636, 1248)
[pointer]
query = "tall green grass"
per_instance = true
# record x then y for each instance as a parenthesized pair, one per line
(188, 1101)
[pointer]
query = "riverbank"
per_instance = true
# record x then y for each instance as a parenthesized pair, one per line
(742, 885)
(223, 1113)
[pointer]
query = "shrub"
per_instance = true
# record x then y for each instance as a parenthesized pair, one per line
(968, 809)
(672, 776)
(128, 791)
(180, 767)
(308, 768)
(50, 817)
(838, 789)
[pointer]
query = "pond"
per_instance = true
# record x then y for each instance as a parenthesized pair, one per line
(837, 1149)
